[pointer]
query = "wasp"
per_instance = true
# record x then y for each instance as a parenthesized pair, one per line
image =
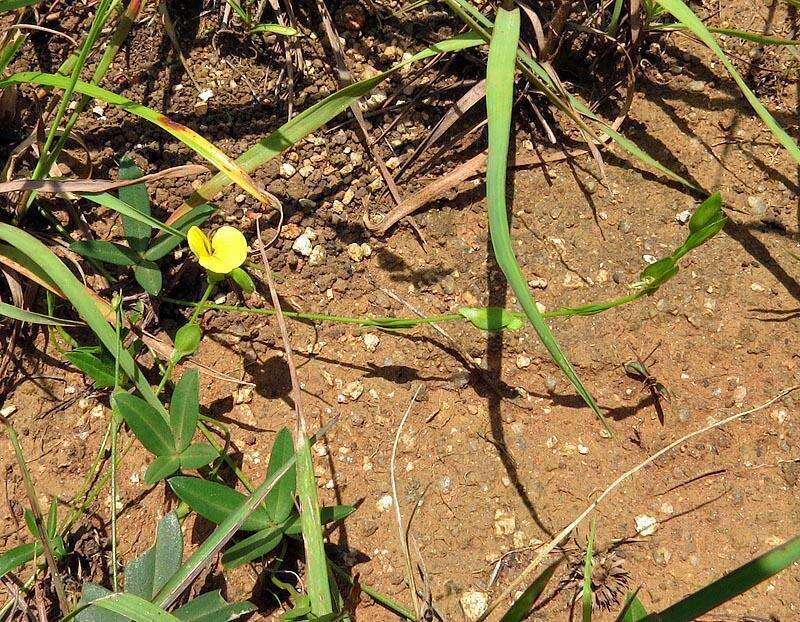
(637, 369)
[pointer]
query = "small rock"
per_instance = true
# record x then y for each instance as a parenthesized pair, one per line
(684, 415)
(582, 449)
(504, 523)
(204, 96)
(384, 503)
(368, 527)
(303, 246)
(474, 604)
(371, 341)
(739, 393)
(619, 277)
(287, 170)
(650, 259)
(683, 217)
(757, 287)
(200, 108)
(538, 283)
(305, 171)
(523, 361)
(646, 525)
(624, 226)
(757, 205)
(355, 252)
(662, 556)
(318, 256)
(353, 390)
(727, 119)
(697, 86)
(393, 162)
(551, 383)
(790, 472)
(7, 411)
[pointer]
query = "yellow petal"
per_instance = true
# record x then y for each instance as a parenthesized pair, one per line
(198, 242)
(229, 247)
(214, 264)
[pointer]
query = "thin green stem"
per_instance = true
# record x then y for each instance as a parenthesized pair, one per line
(200, 305)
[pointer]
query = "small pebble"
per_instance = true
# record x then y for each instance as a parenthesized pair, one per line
(697, 86)
(523, 361)
(371, 341)
(287, 170)
(683, 217)
(474, 604)
(646, 525)
(757, 205)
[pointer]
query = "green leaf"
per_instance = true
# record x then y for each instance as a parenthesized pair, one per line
(243, 280)
(658, 273)
(523, 605)
(121, 207)
(184, 409)
(314, 117)
(492, 319)
(165, 242)
(128, 606)
(10, 5)
(253, 547)
(198, 455)
(187, 340)
(136, 232)
(276, 29)
(18, 556)
(107, 252)
(686, 16)
(98, 368)
(161, 468)
(215, 502)
(706, 222)
(15, 313)
(499, 102)
(148, 275)
(151, 430)
(731, 585)
(280, 500)
(36, 253)
(330, 514)
(91, 592)
(587, 574)
(147, 574)
(211, 607)
(633, 610)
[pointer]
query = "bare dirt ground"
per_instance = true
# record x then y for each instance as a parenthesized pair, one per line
(495, 473)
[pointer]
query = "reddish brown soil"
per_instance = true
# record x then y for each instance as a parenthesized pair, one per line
(494, 477)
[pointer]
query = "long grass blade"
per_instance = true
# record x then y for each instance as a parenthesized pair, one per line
(23, 315)
(731, 585)
(499, 101)
(686, 16)
(588, 562)
(187, 136)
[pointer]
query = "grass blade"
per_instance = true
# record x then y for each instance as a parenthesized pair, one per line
(187, 136)
(15, 313)
(499, 100)
(686, 16)
(731, 585)
(38, 254)
(587, 574)
(522, 606)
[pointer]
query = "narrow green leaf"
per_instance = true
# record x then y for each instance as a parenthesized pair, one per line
(239, 10)
(151, 430)
(136, 231)
(280, 500)
(215, 502)
(523, 605)
(492, 319)
(633, 610)
(147, 574)
(10, 5)
(197, 455)
(90, 592)
(319, 114)
(275, 29)
(499, 101)
(129, 606)
(118, 205)
(18, 556)
(184, 409)
(211, 607)
(587, 574)
(108, 252)
(252, 548)
(330, 514)
(731, 585)
(15, 313)
(687, 17)
(148, 275)
(87, 308)
(165, 242)
(99, 369)
(161, 468)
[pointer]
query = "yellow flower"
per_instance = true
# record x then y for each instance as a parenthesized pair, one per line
(225, 251)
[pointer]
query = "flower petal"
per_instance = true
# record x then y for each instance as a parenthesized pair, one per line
(229, 247)
(214, 264)
(199, 243)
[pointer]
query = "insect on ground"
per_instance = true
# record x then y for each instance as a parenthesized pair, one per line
(637, 369)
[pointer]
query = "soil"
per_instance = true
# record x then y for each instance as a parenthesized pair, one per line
(494, 468)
